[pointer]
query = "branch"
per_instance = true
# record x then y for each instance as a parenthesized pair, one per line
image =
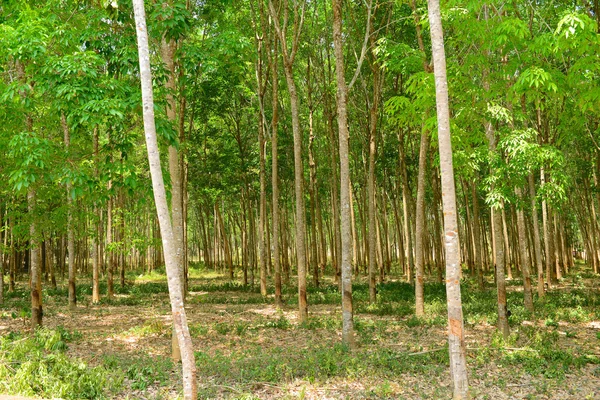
(363, 51)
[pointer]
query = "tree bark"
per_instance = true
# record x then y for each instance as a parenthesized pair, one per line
(523, 251)
(34, 265)
(288, 61)
(456, 340)
(420, 224)
(275, 174)
(160, 198)
(536, 237)
(95, 238)
(70, 234)
(342, 102)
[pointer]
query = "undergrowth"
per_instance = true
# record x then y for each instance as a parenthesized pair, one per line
(36, 365)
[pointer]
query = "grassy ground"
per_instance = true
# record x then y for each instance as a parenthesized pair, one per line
(247, 349)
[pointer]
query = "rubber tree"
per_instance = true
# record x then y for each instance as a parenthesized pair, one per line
(160, 198)
(456, 332)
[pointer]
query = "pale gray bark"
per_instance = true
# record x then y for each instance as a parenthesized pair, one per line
(456, 336)
(160, 199)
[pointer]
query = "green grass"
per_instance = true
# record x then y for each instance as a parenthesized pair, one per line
(317, 362)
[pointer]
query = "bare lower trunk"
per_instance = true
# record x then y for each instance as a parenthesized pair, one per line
(372, 211)
(70, 234)
(524, 261)
(160, 198)
(95, 237)
(477, 236)
(34, 265)
(456, 339)
(536, 237)
(420, 225)
(547, 239)
(275, 176)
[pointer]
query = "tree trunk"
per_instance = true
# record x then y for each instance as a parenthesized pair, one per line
(536, 237)
(547, 240)
(420, 224)
(523, 251)
(342, 102)
(160, 198)
(275, 175)
(456, 340)
(95, 237)
(406, 207)
(477, 235)
(288, 61)
(70, 234)
(498, 237)
(312, 186)
(36, 277)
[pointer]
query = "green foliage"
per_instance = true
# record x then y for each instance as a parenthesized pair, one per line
(38, 366)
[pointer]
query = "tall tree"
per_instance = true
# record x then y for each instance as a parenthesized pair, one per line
(456, 332)
(345, 204)
(160, 198)
(289, 56)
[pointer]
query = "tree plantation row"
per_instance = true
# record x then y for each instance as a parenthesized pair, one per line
(303, 143)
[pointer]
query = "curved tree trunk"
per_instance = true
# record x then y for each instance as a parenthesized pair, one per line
(160, 198)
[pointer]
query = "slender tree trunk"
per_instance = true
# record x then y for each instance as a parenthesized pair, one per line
(226, 246)
(524, 261)
(160, 198)
(420, 224)
(373, 115)
(312, 186)
(536, 237)
(406, 207)
(499, 248)
(95, 237)
(275, 174)
(505, 242)
(288, 61)
(547, 240)
(456, 337)
(346, 234)
(70, 233)
(109, 242)
(262, 206)
(477, 235)
(36, 277)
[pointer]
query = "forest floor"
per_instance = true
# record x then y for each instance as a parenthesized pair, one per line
(247, 349)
